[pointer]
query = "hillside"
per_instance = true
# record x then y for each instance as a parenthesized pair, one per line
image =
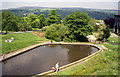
(94, 13)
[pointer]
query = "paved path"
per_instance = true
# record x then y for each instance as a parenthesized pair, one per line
(69, 67)
(21, 32)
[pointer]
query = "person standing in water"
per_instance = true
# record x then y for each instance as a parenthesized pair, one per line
(57, 67)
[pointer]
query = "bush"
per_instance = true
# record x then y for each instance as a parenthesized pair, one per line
(104, 32)
(44, 28)
(56, 32)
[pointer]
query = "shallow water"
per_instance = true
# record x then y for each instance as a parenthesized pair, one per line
(42, 59)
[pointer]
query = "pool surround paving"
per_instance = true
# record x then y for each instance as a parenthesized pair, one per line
(26, 49)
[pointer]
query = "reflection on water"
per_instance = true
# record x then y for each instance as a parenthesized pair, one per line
(43, 58)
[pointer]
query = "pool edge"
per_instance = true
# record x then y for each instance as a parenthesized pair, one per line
(73, 63)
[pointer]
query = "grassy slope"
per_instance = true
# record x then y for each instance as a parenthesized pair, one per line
(106, 63)
(115, 39)
(21, 40)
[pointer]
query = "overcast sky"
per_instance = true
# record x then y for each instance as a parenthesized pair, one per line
(97, 4)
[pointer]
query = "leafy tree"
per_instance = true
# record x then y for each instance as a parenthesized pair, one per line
(27, 23)
(36, 23)
(107, 32)
(54, 18)
(94, 23)
(42, 19)
(33, 20)
(9, 21)
(79, 27)
(103, 32)
(20, 23)
(56, 32)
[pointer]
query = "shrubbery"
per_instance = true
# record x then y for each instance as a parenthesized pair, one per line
(76, 28)
(56, 32)
(104, 32)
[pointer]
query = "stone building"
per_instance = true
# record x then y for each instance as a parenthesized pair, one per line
(116, 27)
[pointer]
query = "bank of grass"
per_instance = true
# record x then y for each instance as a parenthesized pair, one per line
(21, 40)
(115, 39)
(106, 63)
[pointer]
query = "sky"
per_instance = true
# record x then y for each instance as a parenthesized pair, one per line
(95, 4)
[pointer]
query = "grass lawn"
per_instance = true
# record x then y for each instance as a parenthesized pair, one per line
(106, 63)
(21, 40)
(115, 39)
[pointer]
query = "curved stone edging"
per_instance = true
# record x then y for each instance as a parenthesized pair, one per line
(20, 51)
(65, 66)
(15, 53)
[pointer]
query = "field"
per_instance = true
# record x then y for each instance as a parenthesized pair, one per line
(21, 40)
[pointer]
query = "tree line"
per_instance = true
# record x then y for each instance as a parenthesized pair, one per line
(74, 27)
(10, 22)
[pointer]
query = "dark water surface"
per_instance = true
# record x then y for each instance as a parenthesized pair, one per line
(42, 59)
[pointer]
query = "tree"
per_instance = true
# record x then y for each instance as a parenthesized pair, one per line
(20, 23)
(27, 24)
(79, 27)
(42, 19)
(9, 21)
(53, 18)
(107, 32)
(56, 32)
(33, 20)
(103, 32)
(94, 23)
(36, 23)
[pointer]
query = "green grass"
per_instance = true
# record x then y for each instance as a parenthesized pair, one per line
(21, 40)
(106, 63)
(115, 39)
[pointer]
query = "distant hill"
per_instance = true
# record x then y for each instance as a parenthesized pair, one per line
(94, 13)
